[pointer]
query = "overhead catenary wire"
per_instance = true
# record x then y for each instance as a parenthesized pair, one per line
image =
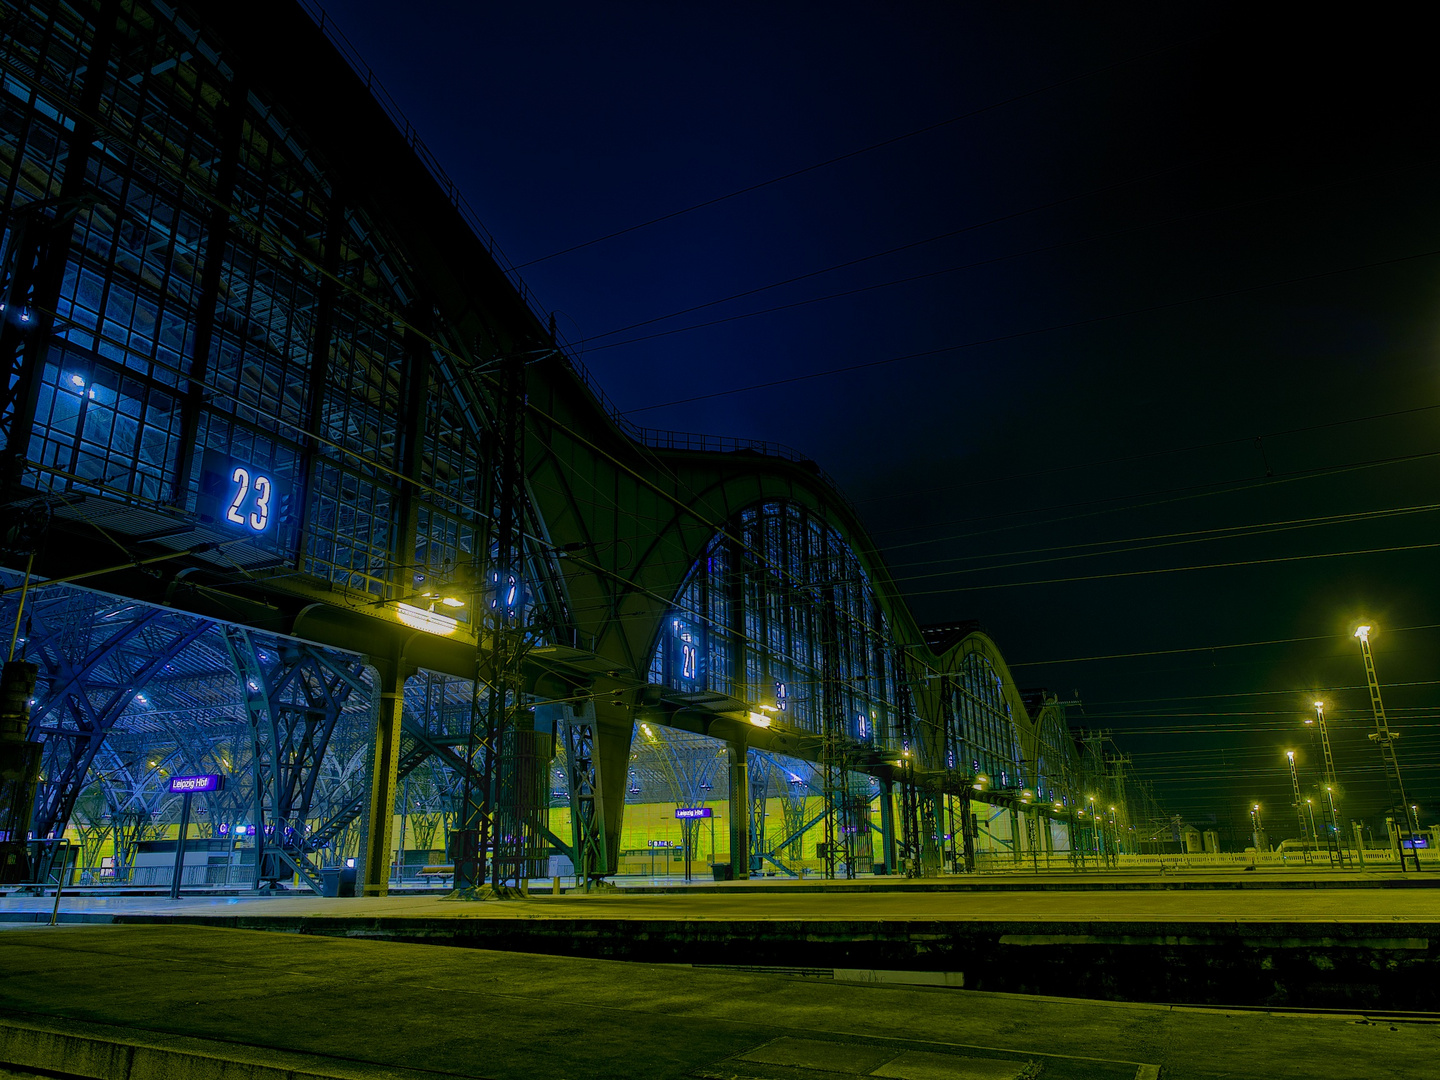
(1111, 548)
(1016, 335)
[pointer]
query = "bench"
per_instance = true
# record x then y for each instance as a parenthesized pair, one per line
(429, 873)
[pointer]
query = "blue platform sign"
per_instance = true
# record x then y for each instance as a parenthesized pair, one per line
(238, 494)
(190, 785)
(1415, 840)
(685, 812)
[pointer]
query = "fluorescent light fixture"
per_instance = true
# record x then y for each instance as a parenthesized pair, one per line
(420, 619)
(450, 601)
(759, 719)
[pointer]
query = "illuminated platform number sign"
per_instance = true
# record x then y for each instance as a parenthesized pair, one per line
(238, 494)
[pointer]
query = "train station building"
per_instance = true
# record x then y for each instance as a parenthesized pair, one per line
(301, 489)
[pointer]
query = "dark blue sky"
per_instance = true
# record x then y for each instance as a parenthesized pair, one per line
(1172, 228)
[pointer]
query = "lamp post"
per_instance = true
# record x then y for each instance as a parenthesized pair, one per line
(1310, 809)
(1295, 784)
(1098, 841)
(1341, 844)
(1386, 741)
(1257, 828)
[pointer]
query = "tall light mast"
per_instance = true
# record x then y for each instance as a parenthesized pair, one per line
(1331, 786)
(1386, 741)
(1295, 783)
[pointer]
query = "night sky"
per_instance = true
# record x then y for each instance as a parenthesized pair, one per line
(1146, 291)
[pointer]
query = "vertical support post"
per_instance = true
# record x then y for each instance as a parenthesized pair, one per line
(374, 873)
(180, 847)
(613, 736)
(967, 832)
(739, 809)
(887, 825)
(19, 768)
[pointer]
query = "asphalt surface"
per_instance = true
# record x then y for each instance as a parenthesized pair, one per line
(343, 1008)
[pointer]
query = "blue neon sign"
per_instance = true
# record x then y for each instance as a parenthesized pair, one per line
(238, 494)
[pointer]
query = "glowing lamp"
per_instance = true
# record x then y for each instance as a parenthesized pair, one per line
(429, 621)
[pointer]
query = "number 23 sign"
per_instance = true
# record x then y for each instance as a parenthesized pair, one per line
(237, 493)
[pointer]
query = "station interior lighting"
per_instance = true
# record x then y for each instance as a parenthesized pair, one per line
(421, 619)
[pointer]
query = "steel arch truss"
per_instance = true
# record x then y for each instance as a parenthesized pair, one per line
(294, 696)
(96, 656)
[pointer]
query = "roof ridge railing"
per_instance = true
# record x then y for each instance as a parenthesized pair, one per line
(656, 438)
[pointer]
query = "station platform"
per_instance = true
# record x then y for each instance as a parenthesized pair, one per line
(1295, 940)
(169, 1000)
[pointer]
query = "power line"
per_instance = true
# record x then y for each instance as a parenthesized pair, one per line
(1149, 454)
(1216, 648)
(1111, 548)
(1034, 331)
(1180, 494)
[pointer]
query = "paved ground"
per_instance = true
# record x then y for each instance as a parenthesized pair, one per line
(1120, 899)
(200, 1002)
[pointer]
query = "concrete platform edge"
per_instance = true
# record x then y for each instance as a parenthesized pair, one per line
(50, 1047)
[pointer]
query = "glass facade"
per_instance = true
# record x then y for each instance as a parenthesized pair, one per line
(776, 611)
(989, 743)
(212, 305)
(198, 323)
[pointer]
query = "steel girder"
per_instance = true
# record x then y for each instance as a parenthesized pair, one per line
(93, 670)
(587, 804)
(294, 697)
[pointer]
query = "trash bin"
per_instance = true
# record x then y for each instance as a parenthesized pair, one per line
(330, 881)
(881, 869)
(347, 881)
(721, 870)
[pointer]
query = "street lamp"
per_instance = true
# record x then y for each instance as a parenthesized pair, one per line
(1295, 783)
(1257, 828)
(1310, 809)
(1382, 736)
(1334, 814)
(1330, 781)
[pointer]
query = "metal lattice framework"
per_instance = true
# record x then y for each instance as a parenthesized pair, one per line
(270, 400)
